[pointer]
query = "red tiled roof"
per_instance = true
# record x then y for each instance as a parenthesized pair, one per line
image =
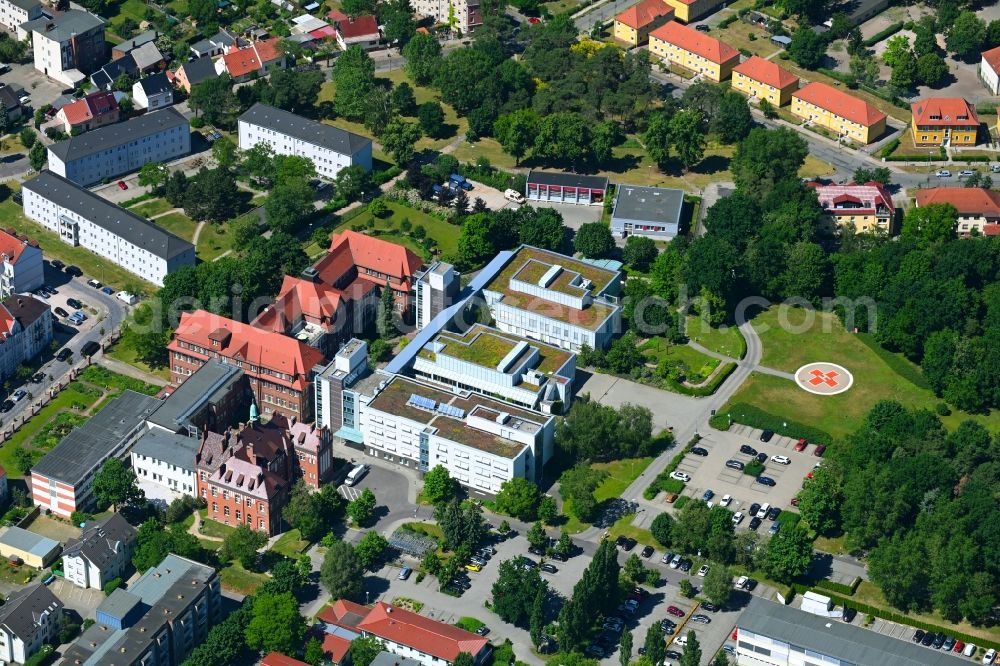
(351, 248)
(839, 103)
(992, 58)
(253, 345)
(871, 193)
(437, 639)
(101, 103)
(966, 200)
(240, 62)
(324, 32)
(77, 112)
(991, 229)
(278, 659)
(267, 49)
(640, 15)
(299, 298)
(12, 245)
(335, 647)
(340, 609)
(695, 42)
(362, 26)
(944, 111)
(767, 72)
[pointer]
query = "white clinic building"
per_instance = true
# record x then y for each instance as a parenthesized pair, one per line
(164, 465)
(480, 441)
(113, 150)
(330, 148)
(80, 217)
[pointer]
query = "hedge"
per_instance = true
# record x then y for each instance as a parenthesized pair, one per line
(839, 588)
(493, 177)
(879, 36)
(889, 148)
(728, 21)
(681, 501)
(758, 418)
(899, 365)
(707, 389)
(663, 478)
(789, 519)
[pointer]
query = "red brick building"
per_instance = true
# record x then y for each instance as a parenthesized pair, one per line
(279, 368)
(355, 259)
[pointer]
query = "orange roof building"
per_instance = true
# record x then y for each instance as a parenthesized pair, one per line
(633, 25)
(706, 56)
(845, 115)
(21, 261)
(867, 207)
(944, 121)
(760, 79)
(978, 208)
(989, 70)
(92, 111)
(258, 58)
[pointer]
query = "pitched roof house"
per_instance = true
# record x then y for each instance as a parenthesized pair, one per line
(978, 208)
(93, 110)
(27, 621)
(100, 554)
(632, 26)
(255, 60)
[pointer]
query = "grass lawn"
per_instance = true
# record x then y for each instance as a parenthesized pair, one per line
(290, 544)
(725, 340)
(89, 263)
(430, 529)
(737, 35)
(453, 125)
(839, 415)
(469, 151)
(621, 474)
(624, 527)
(133, 9)
(212, 528)
(124, 351)
(214, 240)
(832, 545)
(444, 233)
(470, 624)
(152, 207)
(234, 577)
(177, 223)
(657, 350)
(11, 144)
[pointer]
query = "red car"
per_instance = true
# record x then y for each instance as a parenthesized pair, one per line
(801, 445)
(819, 450)
(533, 20)
(959, 646)
(675, 611)
(122, 185)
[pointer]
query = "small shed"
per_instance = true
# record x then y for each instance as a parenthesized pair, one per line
(32, 549)
(781, 40)
(562, 187)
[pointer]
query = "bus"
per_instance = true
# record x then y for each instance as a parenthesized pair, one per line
(356, 474)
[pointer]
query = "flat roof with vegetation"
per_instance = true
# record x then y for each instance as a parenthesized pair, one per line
(484, 346)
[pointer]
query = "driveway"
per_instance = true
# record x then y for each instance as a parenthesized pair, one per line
(84, 602)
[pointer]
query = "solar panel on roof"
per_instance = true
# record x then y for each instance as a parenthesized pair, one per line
(448, 410)
(421, 402)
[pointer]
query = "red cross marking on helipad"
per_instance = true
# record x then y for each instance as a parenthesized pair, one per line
(820, 377)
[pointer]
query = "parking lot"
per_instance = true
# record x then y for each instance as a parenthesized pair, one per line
(710, 472)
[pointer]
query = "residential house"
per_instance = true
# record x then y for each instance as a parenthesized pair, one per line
(23, 269)
(216, 45)
(89, 112)
(62, 481)
(845, 115)
(978, 208)
(109, 152)
(158, 621)
(463, 15)
(361, 31)
(692, 10)
(257, 59)
(10, 97)
(101, 553)
(280, 369)
(105, 77)
(329, 148)
(25, 331)
(153, 92)
(82, 218)
(761, 79)
(122, 49)
(407, 634)
(944, 121)
(148, 58)
(34, 550)
(867, 207)
(632, 26)
(27, 622)
(989, 70)
(646, 211)
(553, 298)
(695, 51)
(14, 13)
(194, 72)
(68, 46)
(355, 259)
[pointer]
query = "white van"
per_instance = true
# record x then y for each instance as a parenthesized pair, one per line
(513, 195)
(130, 299)
(356, 474)
(762, 512)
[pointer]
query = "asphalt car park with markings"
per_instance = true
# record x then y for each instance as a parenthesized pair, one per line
(710, 472)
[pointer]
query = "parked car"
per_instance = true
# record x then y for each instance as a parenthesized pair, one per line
(108, 290)
(958, 647)
(781, 460)
(472, 566)
(404, 573)
(801, 445)
(754, 523)
(647, 552)
(773, 529)
(754, 508)
(37, 378)
(734, 464)
(513, 195)
(820, 450)
(95, 284)
(773, 513)
(60, 312)
(849, 615)
(675, 611)
(73, 303)
(483, 630)
(676, 562)
(701, 27)
(965, 173)
(6, 406)
(939, 641)
(122, 185)
(630, 543)
(18, 395)
(707, 495)
(709, 607)
(680, 476)
(761, 457)
(703, 571)
(699, 451)
(989, 656)
(548, 568)
(766, 481)
(738, 518)
(702, 618)
(766, 435)
(666, 558)
(929, 638)
(970, 649)
(943, 173)
(63, 354)
(948, 644)
(685, 565)
(726, 500)
(73, 270)
(673, 654)
(749, 450)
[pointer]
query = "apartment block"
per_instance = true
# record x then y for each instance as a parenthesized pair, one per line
(867, 207)
(25, 331)
(101, 553)
(845, 115)
(760, 79)
(23, 270)
(978, 208)
(989, 70)
(695, 51)
(556, 299)
(68, 46)
(341, 387)
(62, 481)
(163, 463)
(14, 13)
(330, 148)
(82, 218)
(27, 622)
(632, 26)
(692, 10)
(944, 121)
(482, 442)
(111, 151)
(523, 372)
(465, 13)
(158, 621)
(215, 397)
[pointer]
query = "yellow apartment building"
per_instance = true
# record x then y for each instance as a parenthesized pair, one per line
(845, 115)
(762, 79)
(694, 51)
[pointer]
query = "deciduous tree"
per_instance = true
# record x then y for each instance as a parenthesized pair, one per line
(342, 573)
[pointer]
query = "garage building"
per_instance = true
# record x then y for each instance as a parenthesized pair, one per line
(32, 549)
(646, 211)
(559, 187)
